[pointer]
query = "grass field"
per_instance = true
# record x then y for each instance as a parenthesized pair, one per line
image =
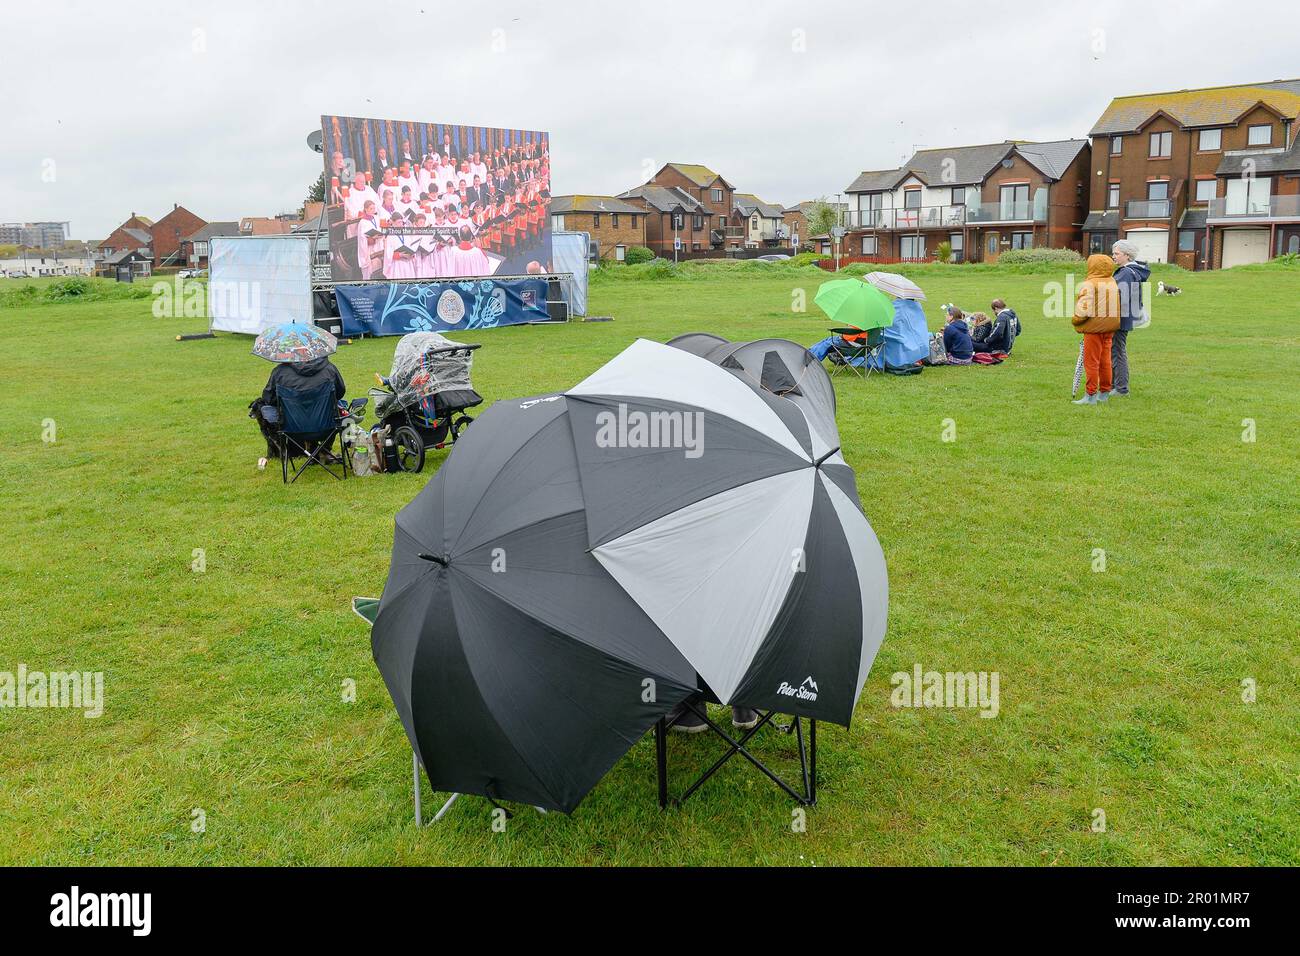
(1121, 691)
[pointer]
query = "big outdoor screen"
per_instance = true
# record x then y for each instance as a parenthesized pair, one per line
(432, 201)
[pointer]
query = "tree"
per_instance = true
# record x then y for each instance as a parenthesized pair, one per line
(317, 191)
(821, 216)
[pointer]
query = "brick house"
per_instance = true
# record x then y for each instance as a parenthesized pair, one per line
(796, 223)
(169, 233)
(194, 248)
(614, 225)
(132, 234)
(672, 214)
(714, 198)
(1203, 178)
(762, 223)
(983, 200)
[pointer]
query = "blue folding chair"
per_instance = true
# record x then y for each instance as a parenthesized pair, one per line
(309, 423)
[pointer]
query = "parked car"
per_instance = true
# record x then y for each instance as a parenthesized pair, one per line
(774, 257)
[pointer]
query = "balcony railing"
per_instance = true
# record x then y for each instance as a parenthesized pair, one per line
(1148, 208)
(947, 217)
(1236, 207)
(1022, 210)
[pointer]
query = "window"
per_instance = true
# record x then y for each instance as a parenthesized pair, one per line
(619, 252)
(959, 195)
(1022, 240)
(1260, 135)
(1015, 202)
(722, 222)
(614, 219)
(1186, 240)
(1101, 241)
(1206, 189)
(679, 220)
(717, 195)
(753, 224)
(912, 247)
(697, 223)
(1162, 145)
(869, 245)
(1210, 140)
(957, 241)
(1112, 196)
(912, 199)
(1248, 197)
(633, 219)
(595, 220)
(1157, 190)
(1116, 145)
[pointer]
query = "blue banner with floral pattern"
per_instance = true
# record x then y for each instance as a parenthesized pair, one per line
(400, 307)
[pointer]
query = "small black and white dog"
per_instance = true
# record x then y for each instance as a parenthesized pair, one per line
(1162, 289)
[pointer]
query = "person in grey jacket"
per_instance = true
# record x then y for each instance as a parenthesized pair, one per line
(1130, 275)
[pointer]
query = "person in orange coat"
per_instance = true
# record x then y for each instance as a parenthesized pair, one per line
(1096, 315)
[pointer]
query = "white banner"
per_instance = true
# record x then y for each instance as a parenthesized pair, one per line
(258, 281)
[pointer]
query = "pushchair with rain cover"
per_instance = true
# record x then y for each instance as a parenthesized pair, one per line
(425, 396)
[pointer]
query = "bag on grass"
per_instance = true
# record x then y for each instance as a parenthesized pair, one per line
(938, 354)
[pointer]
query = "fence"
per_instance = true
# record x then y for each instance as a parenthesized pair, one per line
(686, 255)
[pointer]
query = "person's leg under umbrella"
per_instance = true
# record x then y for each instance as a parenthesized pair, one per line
(684, 720)
(1091, 368)
(1104, 369)
(1119, 362)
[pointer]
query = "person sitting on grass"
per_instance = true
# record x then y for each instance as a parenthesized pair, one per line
(956, 338)
(999, 334)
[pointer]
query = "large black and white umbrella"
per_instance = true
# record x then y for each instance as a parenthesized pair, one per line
(731, 520)
(520, 669)
(579, 559)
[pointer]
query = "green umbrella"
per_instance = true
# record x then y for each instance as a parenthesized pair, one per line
(854, 302)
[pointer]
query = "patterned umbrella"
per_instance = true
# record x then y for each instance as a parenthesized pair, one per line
(900, 287)
(294, 342)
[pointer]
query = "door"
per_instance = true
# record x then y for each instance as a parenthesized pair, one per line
(1153, 244)
(992, 246)
(1244, 246)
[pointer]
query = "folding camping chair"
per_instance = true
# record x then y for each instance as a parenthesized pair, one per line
(309, 424)
(857, 356)
(806, 795)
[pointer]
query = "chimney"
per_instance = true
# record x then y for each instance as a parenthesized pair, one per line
(176, 205)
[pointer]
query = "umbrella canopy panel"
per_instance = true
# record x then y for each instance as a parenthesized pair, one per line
(855, 303)
(737, 543)
(898, 286)
(294, 342)
(520, 669)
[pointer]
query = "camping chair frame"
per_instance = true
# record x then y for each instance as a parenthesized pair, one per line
(292, 449)
(846, 353)
(805, 796)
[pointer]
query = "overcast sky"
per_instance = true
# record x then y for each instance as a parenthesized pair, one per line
(120, 107)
